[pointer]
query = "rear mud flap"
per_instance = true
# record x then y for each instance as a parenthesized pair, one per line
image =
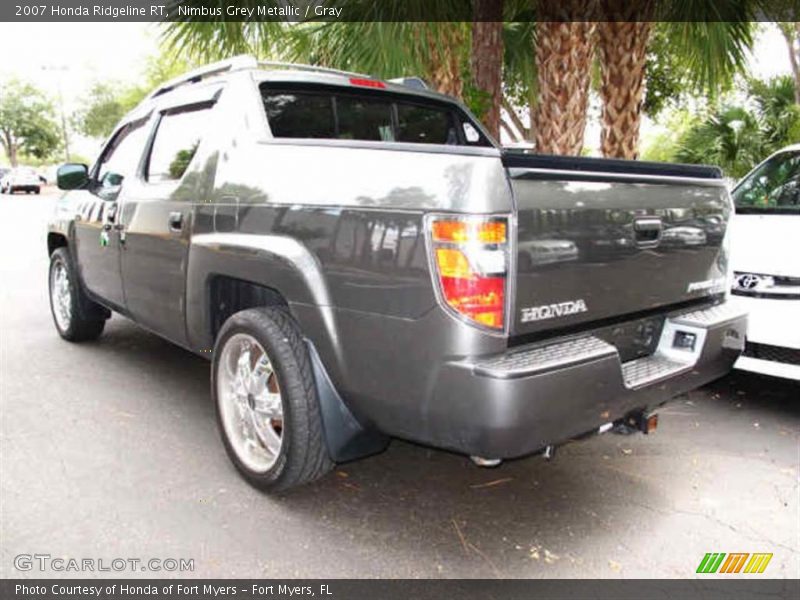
(345, 437)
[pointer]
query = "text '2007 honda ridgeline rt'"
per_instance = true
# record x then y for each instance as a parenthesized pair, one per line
(360, 260)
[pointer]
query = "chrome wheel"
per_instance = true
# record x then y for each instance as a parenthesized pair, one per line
(61, 296)
(250, 402)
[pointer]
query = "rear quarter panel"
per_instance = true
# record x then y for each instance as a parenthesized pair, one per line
(338, 230)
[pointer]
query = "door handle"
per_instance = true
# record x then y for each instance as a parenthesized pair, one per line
(176, 221)
(647, 231)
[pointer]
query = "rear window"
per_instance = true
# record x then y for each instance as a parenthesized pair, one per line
(379, 117)
(364, 119)
(424, 125)
(300, 115)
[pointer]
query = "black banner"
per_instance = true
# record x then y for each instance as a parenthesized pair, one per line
(392, 10)
(395, 589)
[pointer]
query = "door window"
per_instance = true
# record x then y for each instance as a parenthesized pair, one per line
(120, 159)
(177, 138)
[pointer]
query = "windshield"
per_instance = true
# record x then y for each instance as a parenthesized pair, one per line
(774, 187)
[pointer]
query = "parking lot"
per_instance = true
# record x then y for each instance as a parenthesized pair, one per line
(109, 449)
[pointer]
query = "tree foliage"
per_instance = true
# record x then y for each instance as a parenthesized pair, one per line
(107, 102)
(730, 138)
(695, 48)
(102, 108)
(27, 122)
(778, 113)
(739, 135)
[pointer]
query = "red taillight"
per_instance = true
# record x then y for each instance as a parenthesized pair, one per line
(372, 83)
(470, 257)
(482, 299)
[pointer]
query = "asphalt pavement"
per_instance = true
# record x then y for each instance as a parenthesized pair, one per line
(109, 450)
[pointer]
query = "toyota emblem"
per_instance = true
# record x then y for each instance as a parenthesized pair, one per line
(748, 281)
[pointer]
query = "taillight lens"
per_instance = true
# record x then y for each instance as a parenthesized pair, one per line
(470, 255)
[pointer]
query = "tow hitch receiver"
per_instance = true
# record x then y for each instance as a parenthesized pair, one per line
(646, 423)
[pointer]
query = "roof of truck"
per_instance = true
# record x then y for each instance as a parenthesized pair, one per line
(300, 73)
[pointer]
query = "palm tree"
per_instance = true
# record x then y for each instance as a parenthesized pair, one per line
(730, 138)
(791, 33)
(622, 51)
(392, 41)
(712, 49)
(777, 110)
(486, 59)
(389, 41)
(519, 76)
(622, 47)
(563, 66)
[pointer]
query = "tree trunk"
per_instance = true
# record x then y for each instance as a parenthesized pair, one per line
(487, 58)
(791, 33)
(444, 64)
(10, 145)
(563, 62)
(622, 47)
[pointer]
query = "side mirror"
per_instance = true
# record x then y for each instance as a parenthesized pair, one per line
(72, 176)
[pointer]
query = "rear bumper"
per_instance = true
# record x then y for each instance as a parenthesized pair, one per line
(773, 346)
(516, 403)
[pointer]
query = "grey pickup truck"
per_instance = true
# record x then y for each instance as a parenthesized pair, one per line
(360, 261)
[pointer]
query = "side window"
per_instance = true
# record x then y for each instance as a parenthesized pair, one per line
(300, 115)
(424, 125)
(177, 138)
(120, 159)
(364, 119)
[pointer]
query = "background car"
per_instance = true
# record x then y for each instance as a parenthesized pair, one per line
(766, 263)
(683, 235)
(21, 179)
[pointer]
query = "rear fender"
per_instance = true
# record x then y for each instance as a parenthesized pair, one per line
(277, 262)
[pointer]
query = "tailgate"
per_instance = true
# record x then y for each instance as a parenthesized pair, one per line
(598, 239)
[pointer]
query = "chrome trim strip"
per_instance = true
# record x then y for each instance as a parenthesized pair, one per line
(544, 358)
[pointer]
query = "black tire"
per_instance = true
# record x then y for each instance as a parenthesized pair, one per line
(303, 455)
(37, 191)
(87, 318)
